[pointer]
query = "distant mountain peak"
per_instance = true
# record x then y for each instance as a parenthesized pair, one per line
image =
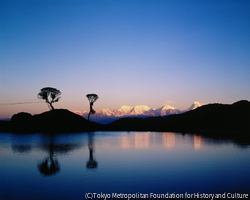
(108, 116)
(125, 108)
(198, 103)
(105, 112)
(195, 105)
(139, 109)
(167, 107)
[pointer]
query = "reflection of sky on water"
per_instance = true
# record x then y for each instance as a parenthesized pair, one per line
(119, 162)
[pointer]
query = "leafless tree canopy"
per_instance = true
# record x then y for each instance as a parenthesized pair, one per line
(92, 98)
(50, 95)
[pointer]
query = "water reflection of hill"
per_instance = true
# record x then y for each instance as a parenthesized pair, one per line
(66, 143)
(54, 145)
(38, 164)
(21, 148)
(241, 140)
(24, 143)
(62, 144)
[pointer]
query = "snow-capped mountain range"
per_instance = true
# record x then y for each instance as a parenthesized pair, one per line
(105, 116)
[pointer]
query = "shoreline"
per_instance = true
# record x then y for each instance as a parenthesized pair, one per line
(219, 119)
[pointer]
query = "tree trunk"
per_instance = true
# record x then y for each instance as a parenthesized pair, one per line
(51, 106)
(88, 116)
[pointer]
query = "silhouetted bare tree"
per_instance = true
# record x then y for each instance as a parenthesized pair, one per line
(92, 98)
(50, 95)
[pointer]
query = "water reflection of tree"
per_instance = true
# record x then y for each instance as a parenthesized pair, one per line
(92, 163)
(50, 165)
(53, 145)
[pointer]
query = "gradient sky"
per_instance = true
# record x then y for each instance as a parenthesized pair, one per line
(129, 52)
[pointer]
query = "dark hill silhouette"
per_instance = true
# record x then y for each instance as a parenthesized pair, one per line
(54, 121)
(213, 118)
(210, 118)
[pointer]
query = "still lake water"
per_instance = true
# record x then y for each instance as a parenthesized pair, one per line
(67, 166)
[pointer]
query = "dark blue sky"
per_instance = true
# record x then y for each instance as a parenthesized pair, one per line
(129, 52)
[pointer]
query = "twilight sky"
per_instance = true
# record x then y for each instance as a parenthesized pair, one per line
(129, 52)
